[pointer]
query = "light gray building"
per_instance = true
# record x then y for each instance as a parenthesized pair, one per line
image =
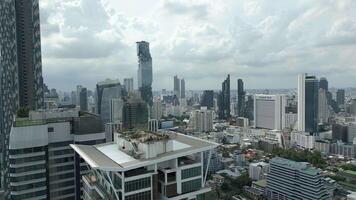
(42, 164)
(269, 111)
(83, 99)
(182, 88)
(147, 166)
(288, 179)
(129, 85)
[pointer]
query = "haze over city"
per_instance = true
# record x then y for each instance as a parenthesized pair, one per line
(267, 43)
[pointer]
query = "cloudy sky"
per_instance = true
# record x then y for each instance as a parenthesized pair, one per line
(265, 42)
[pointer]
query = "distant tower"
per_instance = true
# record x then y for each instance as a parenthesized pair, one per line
(240, 98)
(308, 101)
(128, 84)
(83, 99)
(182, 89)
(340, 97)
(207, 99)
(176, 86)
(224, 99)
(144, 72)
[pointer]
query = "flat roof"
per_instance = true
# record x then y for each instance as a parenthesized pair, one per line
(109, 157)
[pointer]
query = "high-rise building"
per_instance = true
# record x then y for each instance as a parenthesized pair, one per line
(116, 108)
(288, 179)
(9, 93)
(128, 84)
(351, 132)
(240, 98)
(182, 88)
(340, 97)
(134, 113)
(83, 99)
(224, 99)
(269, 111)
(176, 86)
(147, 166)
(323, 107)
(28, 37)
(106, 91)
(79, 89)
(207, 99)
(144, 72)
(42, 164)
(323, 84)
(202, 120)
(157, 112)
(258, 171)
(308, 93)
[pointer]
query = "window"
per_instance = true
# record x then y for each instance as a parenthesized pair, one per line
(137, 184)
(140, 196)
(190, 186)
(192, 172)
(50, 129)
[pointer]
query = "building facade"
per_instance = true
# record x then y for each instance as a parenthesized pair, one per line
(42, 164)
(288, 179)
(207, 99)
(83, 99)
(202, 120)
(224, 99)
(240, 98)
(129, 85)
(269, 111)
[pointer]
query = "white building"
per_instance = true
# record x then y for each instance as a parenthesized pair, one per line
(147, 166)
(202, 120)
(291, 120)
(323, 107)
(116, 106)
(156, 112)
(351, 133)
(302, 139)
(129, 84)
(258, 171)
(269, 111)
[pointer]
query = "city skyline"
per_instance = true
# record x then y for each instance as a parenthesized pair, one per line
(261, 43)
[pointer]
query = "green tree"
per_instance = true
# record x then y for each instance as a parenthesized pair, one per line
(23, 112)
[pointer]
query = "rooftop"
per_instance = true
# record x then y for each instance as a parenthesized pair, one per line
(261, 183)
(301, 166)
(110, 157)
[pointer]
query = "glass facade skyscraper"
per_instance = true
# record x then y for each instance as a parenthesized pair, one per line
(240, 98)
(224, 99)
(144, 72)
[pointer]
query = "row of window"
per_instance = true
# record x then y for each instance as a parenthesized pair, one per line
(28, 186)
(190, 186)
(140, 196)
(26, 160)
(137, 184)
(28, 177)
(27, 150)
(191, 172)
(27, 168)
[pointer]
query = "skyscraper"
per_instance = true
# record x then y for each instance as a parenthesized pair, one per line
(8, 85)
(224, 99)
(176, 86)
(323, 83)
(340, 97)
(308, 95)
(29, 53)
(144, 72)
(323, 110)
(106, 91)
(207, 99)
(240, 98)
(83, 99)
(182, 88)
(128, 84)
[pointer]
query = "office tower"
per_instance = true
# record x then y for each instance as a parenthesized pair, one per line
(258, 171)
(42, 164)
(157, 112)
(240, 98)
(28, 37)
(269, 111)
(340, 97)
(207, 99)
(182, 88)
(147, 166)
(79, 89)
(302, 140)
(144, 72)
(9, 101)
(106, 91)
(323, 107)
(339, 132)
(176, 86)
(128, 84)
(135, 113)
(83, 99)
(202, 120)
(116, 108)
(308, 93)
(224, 99)
(288, 179)
(323, 84)
(249, 107)
(73, 97)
